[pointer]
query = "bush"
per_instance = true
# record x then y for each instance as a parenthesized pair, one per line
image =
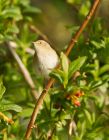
(77, 105)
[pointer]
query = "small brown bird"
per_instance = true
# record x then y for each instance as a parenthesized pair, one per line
(45, 58)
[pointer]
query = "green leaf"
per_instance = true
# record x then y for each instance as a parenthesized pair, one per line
(57, 74)
(65, 67)
(32, 10)
(64, 62)
(70, 1)
(2, 88)
(72, 29)
(12, 28)
(24, 2)
(104, 69)
(1, 38)
(12, 12)
(88, 116)
(76, 65)
(84, 8)
(95, 84)
(101, 119)
(26, 112)
(25, 38)
(5, 106)
(55, 137)
(64, 115)
(82, 127)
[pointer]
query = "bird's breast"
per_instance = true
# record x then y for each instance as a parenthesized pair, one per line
(47, 63)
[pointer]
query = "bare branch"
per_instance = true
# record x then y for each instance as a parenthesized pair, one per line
(23, 69)
(37, 31)
(51, 133)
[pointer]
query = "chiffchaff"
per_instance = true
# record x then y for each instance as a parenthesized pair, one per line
(45, 58)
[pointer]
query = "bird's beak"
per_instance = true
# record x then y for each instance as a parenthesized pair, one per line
(33, 43)
(35, 46)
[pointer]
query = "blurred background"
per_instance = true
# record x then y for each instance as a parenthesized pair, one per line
(59, 16)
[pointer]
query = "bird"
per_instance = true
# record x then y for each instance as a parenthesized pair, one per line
(45, 58)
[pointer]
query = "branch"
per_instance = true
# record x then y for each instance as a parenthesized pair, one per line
(27, 50)
(51, 81)
(37, 31)
(23, 69)
(52, 133)
(82, 27)
(5, 118)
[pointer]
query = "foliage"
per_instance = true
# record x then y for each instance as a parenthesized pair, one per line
(77, 105)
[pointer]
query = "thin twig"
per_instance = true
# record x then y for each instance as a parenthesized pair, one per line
(5, 118)
(82, 27)
(52, 133)
(27, 50)
(37, 108)
(24, 70)
(51, 81)
(37, 31)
